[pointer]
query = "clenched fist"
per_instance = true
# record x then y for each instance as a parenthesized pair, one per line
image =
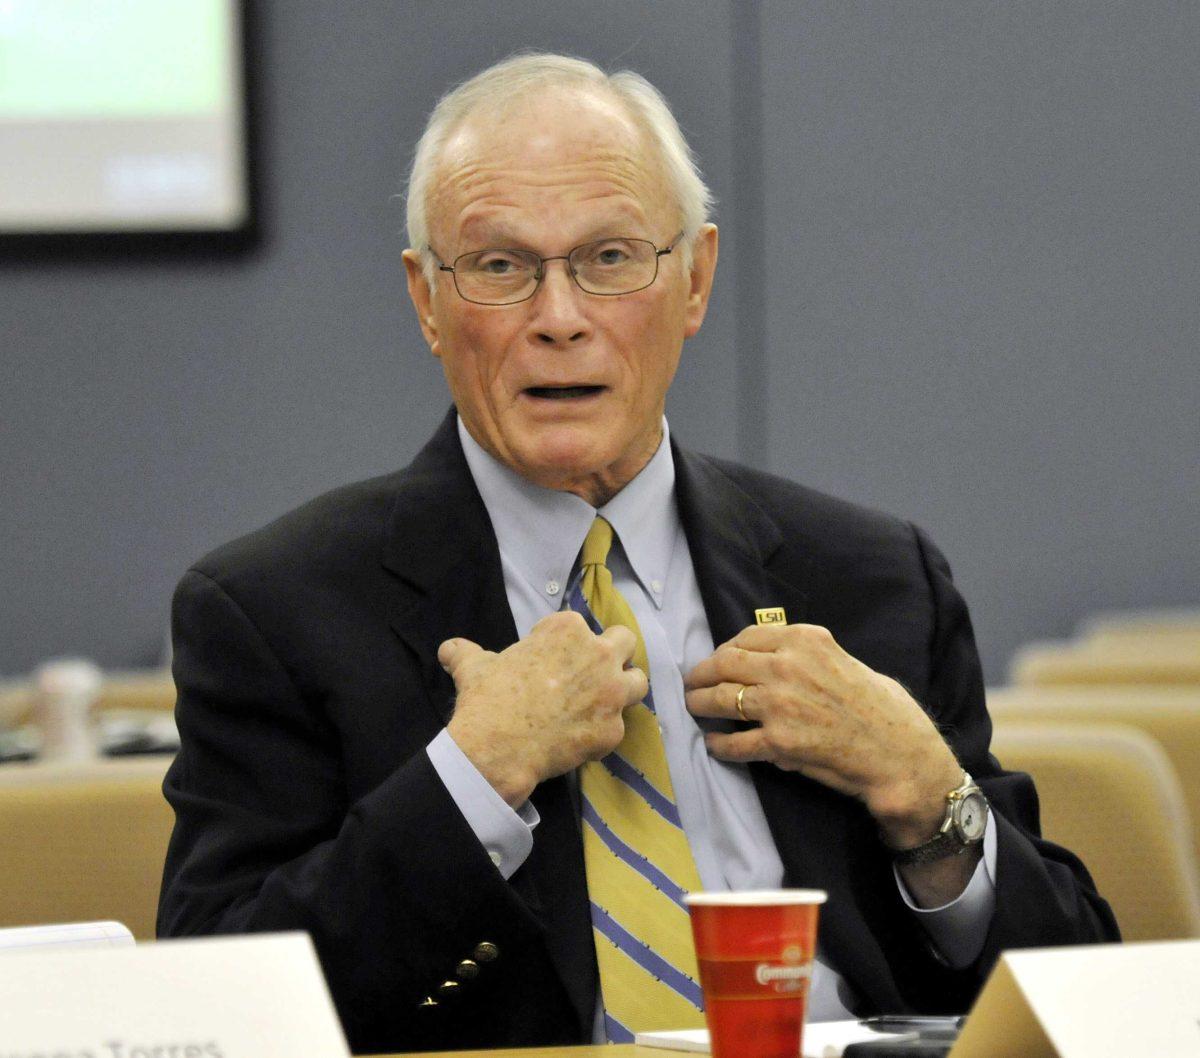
(544, 705)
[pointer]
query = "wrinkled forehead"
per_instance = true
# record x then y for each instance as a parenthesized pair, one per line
(561, 146)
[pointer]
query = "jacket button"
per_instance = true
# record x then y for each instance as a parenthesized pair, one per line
(486, 951)
(467, 970)
(448, 988)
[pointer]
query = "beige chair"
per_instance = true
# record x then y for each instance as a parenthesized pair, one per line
(1124, 660)
(1180, 627)
(152, 690)
(15, 702)
(83, 845)
(1169, 715)
(1110, 795)
(138, 690)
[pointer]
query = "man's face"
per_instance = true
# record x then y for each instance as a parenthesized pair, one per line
(566, 388)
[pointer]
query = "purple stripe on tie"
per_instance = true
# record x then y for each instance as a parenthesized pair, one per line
(614, 1031)
(631, 857)
(579, 604)
(636, 781)
(650, 961)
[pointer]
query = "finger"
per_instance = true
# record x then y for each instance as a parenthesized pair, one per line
(776, 637)
(637, 685)
(561, 622)
(720, 701)
(760, 637)
(622, 640)
(730, 664)
(454, 654)
(737, 747)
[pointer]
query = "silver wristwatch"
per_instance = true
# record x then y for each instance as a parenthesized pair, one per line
(962, 827)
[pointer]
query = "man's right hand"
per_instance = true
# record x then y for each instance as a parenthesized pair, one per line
(543, 706)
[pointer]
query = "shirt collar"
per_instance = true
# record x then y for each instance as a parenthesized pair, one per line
(644, 518)
(540, 531)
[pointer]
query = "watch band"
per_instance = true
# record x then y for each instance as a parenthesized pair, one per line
(944, 843)
(949, 840)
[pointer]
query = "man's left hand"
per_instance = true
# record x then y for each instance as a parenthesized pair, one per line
(821, 712)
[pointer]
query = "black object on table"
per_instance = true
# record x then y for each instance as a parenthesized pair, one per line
(922, 1047)
(936, 1035)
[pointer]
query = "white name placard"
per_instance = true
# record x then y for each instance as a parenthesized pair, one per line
(66, 935)
(259, 996)
(1094, 1001)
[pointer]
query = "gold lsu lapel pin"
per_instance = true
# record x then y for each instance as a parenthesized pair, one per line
(770, 615)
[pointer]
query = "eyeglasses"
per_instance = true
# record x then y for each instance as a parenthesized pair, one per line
(607, 267)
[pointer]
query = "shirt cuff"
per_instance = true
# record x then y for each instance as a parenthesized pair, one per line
(959, 928)
(505, 834)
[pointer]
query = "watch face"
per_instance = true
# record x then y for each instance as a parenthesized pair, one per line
(972, 817)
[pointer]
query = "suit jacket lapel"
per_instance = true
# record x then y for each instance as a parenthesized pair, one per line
(731, 540)
(821, 835)
(441, 547)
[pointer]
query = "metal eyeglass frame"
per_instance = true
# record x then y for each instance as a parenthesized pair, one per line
(540, 274)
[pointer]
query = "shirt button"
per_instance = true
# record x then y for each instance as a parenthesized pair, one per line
(495, 857)
(449, 988)
(552, 587)
(656, 587)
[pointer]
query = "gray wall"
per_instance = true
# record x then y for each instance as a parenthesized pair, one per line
(958, 281)
(984, 291)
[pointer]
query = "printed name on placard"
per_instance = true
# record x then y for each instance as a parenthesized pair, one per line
(124, 1049)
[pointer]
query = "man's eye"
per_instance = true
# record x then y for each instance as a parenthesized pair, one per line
(609, 254)
(499, 264)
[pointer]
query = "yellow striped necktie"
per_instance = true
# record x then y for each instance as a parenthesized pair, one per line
(638, 862)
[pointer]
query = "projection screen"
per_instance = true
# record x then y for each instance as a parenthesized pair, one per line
(122, 116)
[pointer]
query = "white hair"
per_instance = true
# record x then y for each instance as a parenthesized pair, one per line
(530, 72)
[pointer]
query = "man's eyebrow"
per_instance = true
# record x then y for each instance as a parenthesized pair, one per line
(624, 223)
(487, 237)
(493, 237)
(622, 230)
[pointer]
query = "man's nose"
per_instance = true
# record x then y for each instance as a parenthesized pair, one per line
(558, 317)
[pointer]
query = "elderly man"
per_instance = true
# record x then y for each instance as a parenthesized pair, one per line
(479, 724)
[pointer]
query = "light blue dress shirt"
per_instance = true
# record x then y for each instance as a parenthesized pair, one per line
(540, 533)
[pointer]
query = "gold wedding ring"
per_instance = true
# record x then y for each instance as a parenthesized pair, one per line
(738, 703)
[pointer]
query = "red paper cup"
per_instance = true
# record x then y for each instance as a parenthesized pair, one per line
(755, 953)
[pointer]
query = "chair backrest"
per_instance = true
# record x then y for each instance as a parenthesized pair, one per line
(1178, 626)
(84, 849)
(1168, 660)
(1169, 715)
(1109, 794)
(149, 690)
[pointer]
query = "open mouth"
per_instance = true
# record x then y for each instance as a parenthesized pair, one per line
(563, 392)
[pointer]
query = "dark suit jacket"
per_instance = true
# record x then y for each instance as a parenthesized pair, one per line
(308, 687)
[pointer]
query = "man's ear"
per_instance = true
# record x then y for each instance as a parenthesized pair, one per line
(704, 267)
(422, 298)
